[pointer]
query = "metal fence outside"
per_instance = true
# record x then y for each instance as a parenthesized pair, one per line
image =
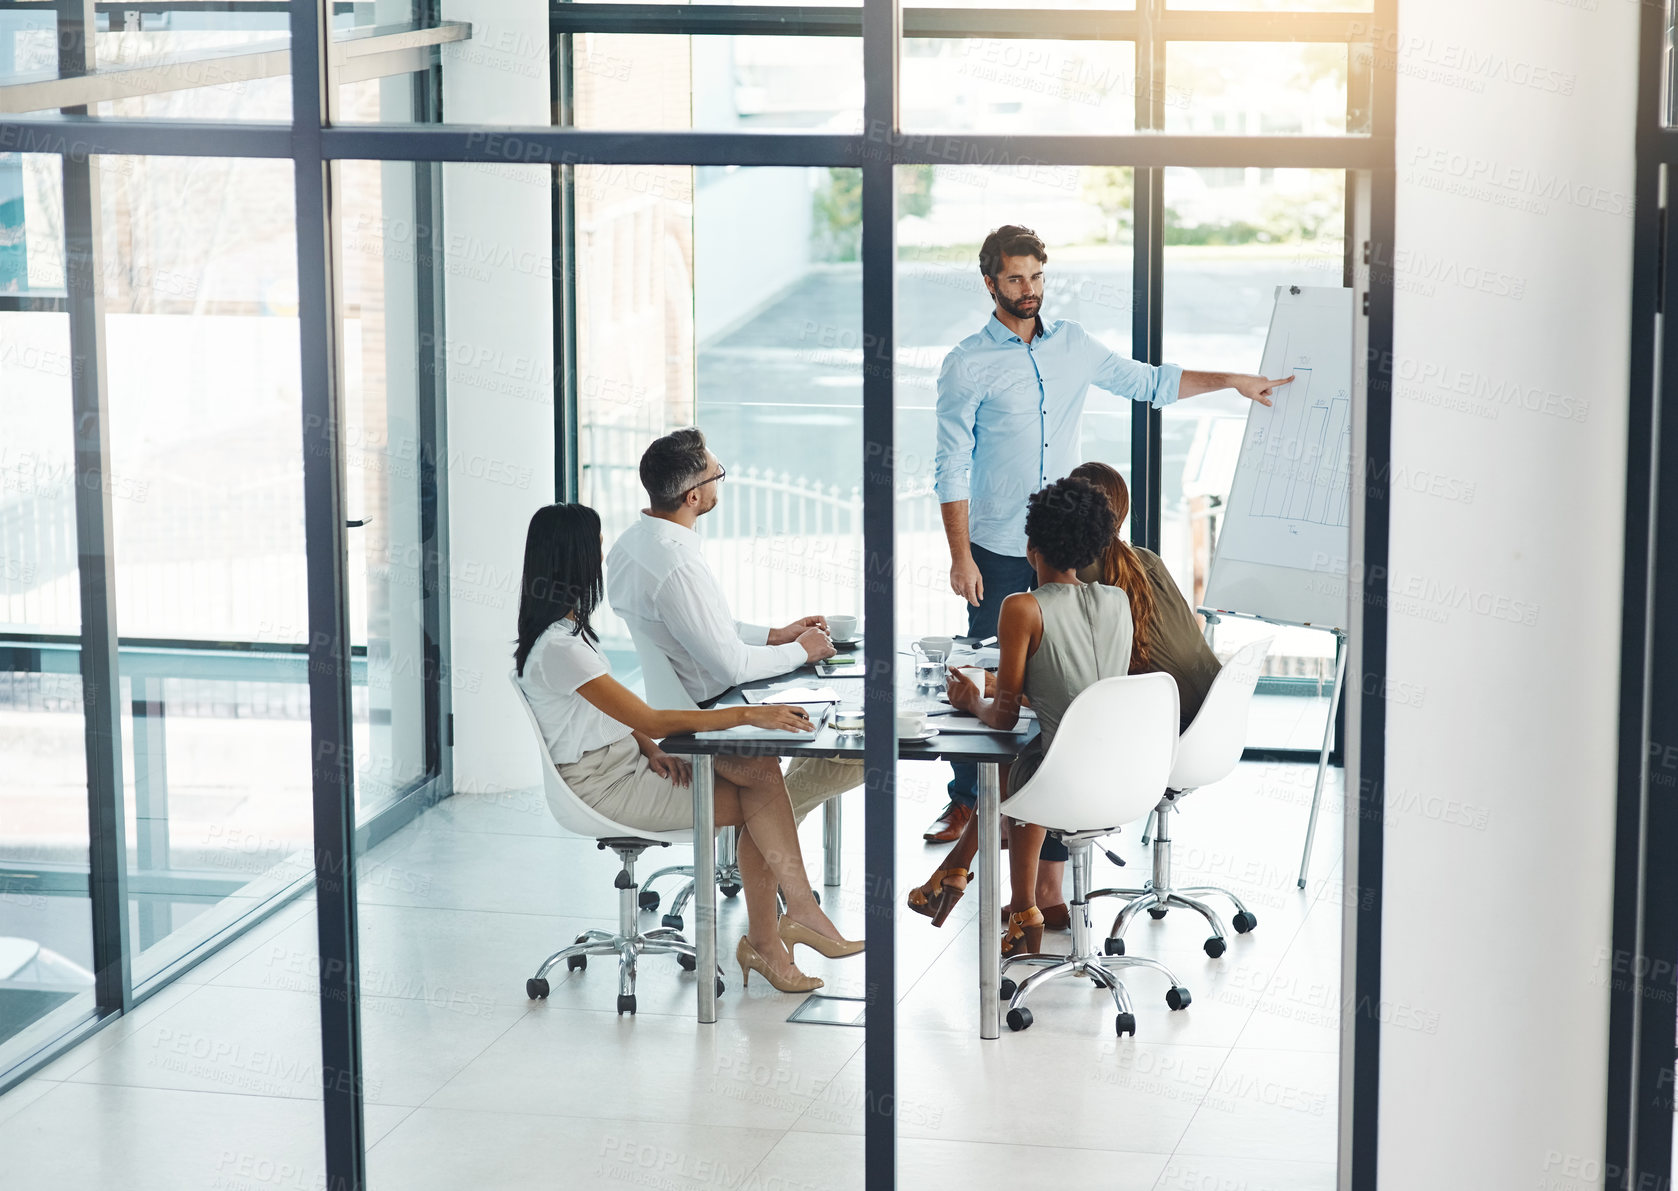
(784, 545)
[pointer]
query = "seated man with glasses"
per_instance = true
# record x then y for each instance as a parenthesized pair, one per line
(657, 580)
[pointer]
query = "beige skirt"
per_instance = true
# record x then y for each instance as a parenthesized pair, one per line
(617, 781)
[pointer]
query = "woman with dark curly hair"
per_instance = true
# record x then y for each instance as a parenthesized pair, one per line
(1054, 641)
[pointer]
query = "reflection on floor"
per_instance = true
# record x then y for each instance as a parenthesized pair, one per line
(213, 1083)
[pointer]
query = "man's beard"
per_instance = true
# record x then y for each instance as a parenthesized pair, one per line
(1018, 309)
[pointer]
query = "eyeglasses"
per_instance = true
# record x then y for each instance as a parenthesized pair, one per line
(722, 474)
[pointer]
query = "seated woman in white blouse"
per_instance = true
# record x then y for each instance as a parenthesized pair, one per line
(602, 738)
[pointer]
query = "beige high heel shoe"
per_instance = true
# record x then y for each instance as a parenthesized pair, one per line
(793, 933)
(751, 960)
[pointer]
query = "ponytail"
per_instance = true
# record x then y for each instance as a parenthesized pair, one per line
(1121, 566)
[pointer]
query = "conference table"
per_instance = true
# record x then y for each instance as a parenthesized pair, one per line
(988, 750)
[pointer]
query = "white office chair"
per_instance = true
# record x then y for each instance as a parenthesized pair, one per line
(629, 943)
(1208, 752)
(1108, 763)
(665, 690)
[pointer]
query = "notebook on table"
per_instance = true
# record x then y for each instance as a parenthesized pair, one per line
(957, 722)
(819, 714)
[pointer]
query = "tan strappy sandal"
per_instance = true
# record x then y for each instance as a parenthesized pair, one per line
(1024, 933)
(940, 894)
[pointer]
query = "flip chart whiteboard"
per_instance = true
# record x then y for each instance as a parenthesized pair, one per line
(1286, 529)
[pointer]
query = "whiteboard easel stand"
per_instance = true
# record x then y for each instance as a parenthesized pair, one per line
(1213, 615)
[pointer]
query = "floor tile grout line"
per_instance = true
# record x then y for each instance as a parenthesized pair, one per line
(150, 1087)
(1053, 1147)
(119, 1031)
(973, 1034)
(567, 1116)
(788, 1131)
(426, 1103)
(1212, 1083)
(395, 1125)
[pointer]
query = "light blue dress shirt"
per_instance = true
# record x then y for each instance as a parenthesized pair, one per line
(1009, 416)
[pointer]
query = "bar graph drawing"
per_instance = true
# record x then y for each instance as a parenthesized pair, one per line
(1285, 531)
(1310, 484)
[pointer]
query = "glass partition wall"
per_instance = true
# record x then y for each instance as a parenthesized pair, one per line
(480, 255)
(155, 491)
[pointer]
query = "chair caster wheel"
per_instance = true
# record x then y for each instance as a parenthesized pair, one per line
(1245, 922)
(729, 890)
(535, 989)
(1125, 1023)
(649, 899)
(686, 962)
(1007, 989)
(673, 921)
(1019, 1019)
(1114, 946)
(1178, 998)
(1156, 912)
(720, 986)
(626, 1004)
(575, 963)
(1214, 946)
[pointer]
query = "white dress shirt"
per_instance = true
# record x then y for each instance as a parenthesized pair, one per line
(657, 580)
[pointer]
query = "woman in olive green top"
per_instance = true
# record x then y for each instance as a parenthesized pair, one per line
(1168, 637)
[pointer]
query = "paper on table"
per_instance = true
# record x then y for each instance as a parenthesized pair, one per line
(940, 706)
(792, 694)
(922, 703)
(968, 723)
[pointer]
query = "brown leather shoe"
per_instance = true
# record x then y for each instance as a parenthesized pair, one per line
(947, 829)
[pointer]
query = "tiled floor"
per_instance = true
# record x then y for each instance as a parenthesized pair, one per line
(212, 1084)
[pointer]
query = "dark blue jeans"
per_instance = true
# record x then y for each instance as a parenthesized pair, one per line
(1002, 575)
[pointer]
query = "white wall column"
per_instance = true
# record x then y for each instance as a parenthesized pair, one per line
(1512, 312)
(498, 251)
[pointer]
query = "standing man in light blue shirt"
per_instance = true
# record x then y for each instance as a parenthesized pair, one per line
(1010, 409)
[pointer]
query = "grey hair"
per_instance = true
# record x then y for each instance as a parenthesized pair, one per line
(671, 466)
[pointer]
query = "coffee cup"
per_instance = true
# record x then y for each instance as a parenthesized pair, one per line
(973, 674)
(911, 724)
(841, 628)
(936, 649)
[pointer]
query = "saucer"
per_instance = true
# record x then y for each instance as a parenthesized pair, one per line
(853, 643)
(926, 733)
